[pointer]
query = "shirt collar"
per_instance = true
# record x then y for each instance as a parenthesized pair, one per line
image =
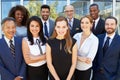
(97, 20)
(35, 39)
(7, 40)
(45, 21)
(71, 19)
(111, 37)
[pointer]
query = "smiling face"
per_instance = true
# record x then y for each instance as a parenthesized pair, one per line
(19, 16)
(110, 26)
(94, 12)
(9, 29)
(45, 13)
(61, 28)
(86, 25)
(34, 28)
(69, 11)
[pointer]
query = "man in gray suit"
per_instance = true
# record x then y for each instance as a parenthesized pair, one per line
(48, 24)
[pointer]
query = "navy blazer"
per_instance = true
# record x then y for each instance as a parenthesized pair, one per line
(100, 27)
(76, 27)
(11, 67)
(110, 62)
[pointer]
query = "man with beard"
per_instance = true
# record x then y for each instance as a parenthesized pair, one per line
(98, 25)
(48, 24)
(107, 61)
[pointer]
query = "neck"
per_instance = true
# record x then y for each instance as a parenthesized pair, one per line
(19, 24)
(86, 33)
(60, 37)
(110, 34)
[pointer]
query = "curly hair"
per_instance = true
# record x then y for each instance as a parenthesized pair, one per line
(23, 10)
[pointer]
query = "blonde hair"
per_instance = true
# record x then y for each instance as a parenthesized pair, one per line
(68, 45)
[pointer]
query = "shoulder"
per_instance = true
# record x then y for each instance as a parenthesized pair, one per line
(76, 19)
(51, 20)
(51, 40)
(77, 35)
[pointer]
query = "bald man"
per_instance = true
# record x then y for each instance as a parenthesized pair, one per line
(74, 23)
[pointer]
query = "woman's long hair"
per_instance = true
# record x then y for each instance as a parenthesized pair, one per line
(68, 45)
(29, 34)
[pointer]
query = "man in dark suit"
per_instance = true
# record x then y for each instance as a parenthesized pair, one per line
(74, 23)
(47, 22)
(99, 23)
(12, 65)
(106, 65)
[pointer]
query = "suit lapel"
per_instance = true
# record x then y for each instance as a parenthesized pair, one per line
(101, 44)
(111, 45)
(7, 50)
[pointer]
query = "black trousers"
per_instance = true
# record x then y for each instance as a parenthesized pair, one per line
(82, 75)
(37, 73)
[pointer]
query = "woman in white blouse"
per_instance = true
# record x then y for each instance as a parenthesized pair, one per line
(33, 47)
(87, 48)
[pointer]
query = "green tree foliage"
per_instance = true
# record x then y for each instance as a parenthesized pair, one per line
(33, 7)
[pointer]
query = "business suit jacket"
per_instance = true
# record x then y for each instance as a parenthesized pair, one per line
(76, 27)
(11, 67)
(100, 27)
(51, 27)
(110, 62)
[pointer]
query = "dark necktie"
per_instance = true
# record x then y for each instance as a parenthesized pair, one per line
(12, 48)
(46, 30)
(70, 24)
(38, 43)
(93, 27)
(106, 45)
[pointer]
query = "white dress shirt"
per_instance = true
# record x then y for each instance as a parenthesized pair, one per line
(111, 38)
(34, 50)
(47, 23)
(87, 49)
(96, 22)
(8, 41)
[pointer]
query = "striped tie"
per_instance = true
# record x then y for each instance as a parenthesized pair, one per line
(12, 48)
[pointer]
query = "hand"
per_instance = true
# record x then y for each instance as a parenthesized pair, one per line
(88, 60)
(82, 59)
(17, 78)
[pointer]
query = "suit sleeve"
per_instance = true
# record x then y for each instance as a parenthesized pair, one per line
(23, 69)
(5, 74)
(118, 71)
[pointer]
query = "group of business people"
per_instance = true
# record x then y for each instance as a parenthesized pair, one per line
(62, 56)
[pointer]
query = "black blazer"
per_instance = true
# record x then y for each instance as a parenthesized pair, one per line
(76, 27)
(100, 27)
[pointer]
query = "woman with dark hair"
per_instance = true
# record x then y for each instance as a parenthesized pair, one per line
(21, 15)
(61, 52)
(33, 47)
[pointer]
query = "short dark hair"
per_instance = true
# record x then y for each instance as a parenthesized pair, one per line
(7, 19)
(111, 17)
(94, 5)
(45, 6)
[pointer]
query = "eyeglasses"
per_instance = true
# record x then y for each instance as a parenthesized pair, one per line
(69, 11)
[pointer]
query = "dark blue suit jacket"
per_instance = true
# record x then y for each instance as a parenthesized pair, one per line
(11, 67)
(76, 27)
(110, 62)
